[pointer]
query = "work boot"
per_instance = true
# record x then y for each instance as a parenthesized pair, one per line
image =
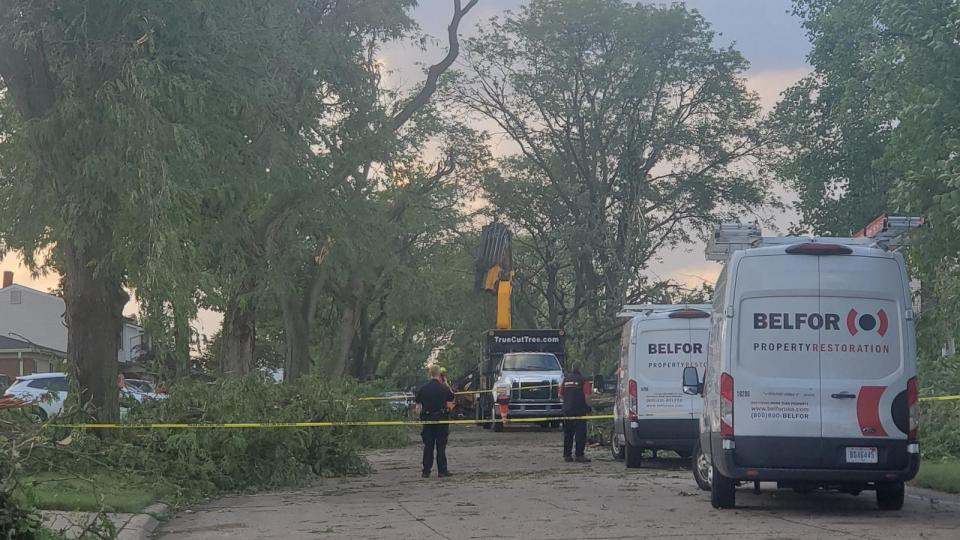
(444, 474)
(425, 474)
(568, 459)
(583, 459)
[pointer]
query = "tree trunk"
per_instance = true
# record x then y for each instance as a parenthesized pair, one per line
(297, 359)
(238, 337)
(299, 314)
(348, 328)
(94, 299)
(182, 337)
(360, 345)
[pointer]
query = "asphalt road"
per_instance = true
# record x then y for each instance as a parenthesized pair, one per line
(514, 485)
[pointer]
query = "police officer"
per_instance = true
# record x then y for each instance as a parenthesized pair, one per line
(575, 390)
(433, 398)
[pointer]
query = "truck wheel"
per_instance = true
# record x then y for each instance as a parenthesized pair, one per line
(616, 448)
(723, 491)
(633, 455)
(497, 424)
(701, 467)
(890, 495)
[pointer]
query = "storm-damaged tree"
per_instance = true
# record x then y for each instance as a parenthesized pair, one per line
(634, 132)
(333, 135)
(131, 127)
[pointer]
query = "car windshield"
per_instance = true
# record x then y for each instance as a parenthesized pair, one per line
(139, 386)
(49, 384)
(531, 362)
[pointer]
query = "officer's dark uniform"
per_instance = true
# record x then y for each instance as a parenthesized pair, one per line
(433, 397)
(574, 404)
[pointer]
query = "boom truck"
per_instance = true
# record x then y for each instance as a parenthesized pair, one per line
(520, 370)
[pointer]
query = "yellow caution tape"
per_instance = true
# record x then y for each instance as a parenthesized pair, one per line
(357, 423)
(940, 398)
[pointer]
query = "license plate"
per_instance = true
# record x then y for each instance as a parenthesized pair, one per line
(859, 454)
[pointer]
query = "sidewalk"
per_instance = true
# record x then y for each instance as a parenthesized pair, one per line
(128, 526)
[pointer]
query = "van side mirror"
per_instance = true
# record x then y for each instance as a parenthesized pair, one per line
(691, 381)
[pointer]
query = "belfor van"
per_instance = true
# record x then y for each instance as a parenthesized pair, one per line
(651, 411)
(811, 377)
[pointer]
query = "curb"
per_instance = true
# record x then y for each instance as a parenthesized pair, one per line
(142, 526)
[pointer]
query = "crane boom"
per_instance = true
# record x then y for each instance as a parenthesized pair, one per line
(493, 263)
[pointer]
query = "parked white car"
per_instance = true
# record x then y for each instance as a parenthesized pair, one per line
(48, 391)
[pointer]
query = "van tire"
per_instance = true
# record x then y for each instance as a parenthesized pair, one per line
(497, 423)
(615, 447)
(723, 491)
(633, 455)
(700, 467)
(890, 495)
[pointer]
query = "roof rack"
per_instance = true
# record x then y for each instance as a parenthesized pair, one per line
(633, 310)
(730, 237)
(890, 232)
(885, 232)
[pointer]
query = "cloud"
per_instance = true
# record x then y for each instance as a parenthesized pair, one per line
(769, 84)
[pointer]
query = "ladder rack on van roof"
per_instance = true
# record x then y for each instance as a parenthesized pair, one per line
(885, 232)
(633, 310)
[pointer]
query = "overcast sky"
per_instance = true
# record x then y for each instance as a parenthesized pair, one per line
(764, 31)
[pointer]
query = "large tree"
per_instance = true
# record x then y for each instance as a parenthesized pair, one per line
(634, 132)
(833, 126)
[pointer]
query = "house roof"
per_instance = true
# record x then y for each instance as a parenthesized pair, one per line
(10, 344)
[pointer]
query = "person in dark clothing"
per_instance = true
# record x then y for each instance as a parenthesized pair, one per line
(433, 398)
(575, 390)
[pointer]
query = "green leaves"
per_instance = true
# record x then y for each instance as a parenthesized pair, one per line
(633, 133)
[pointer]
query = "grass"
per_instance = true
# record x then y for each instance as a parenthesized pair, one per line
(52, 491)
(939, 475)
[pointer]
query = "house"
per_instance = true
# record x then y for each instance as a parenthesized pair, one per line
(18, 357)
(33, 332)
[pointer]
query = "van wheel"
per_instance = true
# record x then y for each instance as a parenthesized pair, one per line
(701, 467)
(616, 448)
(498, 423)
(890, 495)
(633, 455)
(723, 491)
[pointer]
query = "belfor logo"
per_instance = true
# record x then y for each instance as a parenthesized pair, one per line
(867, 322)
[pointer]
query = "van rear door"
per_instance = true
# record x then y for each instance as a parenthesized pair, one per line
(863, 364)
(664, 348)
(699, 335)
(775, 364)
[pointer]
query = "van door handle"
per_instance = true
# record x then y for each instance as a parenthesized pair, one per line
(843, 395)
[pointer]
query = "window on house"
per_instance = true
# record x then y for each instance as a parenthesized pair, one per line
(16, 297)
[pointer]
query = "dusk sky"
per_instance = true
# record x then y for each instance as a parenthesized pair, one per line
(764, 31)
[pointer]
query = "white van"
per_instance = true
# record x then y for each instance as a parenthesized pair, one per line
(651, 410)
(811, 372)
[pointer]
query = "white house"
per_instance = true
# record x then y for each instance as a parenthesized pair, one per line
(37, 319)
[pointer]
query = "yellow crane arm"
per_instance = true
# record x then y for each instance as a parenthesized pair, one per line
(494, 273)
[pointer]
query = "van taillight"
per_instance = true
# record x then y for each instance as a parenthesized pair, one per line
(688, 314)
(633, 399)
(726, 405)
(913, 402)
(814, 248)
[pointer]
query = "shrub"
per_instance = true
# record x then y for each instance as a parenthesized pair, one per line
(192, 463)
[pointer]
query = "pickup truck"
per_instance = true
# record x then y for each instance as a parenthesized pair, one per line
(524, 369)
